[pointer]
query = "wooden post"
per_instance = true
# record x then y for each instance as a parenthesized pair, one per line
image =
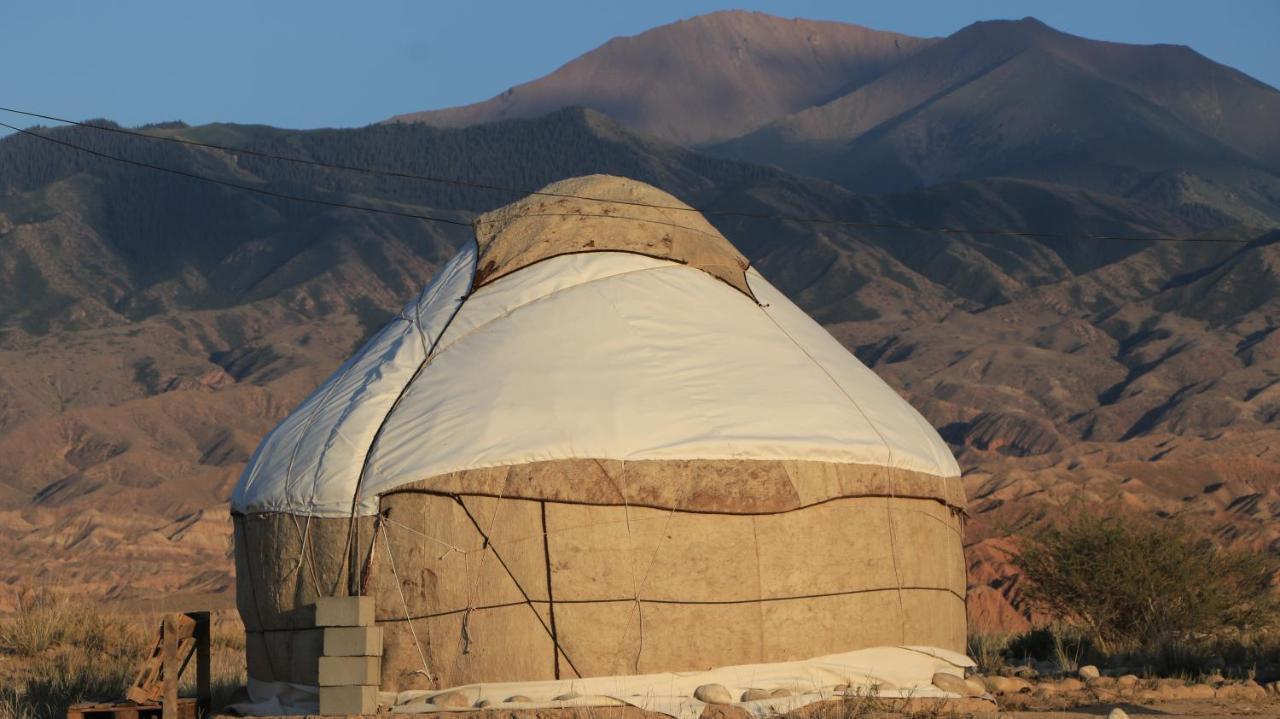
(169, 654)
(204, 695)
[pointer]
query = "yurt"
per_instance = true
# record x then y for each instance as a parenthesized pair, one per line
(599, 446)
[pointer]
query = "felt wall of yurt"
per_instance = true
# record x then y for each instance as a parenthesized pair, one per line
(599, 444)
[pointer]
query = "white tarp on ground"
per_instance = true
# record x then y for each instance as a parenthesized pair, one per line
(602, 355)
(900, 672)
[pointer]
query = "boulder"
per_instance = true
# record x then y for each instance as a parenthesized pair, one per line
(1045, 691)
(1248, 690)
(456, 700)
(1088, 672)
(976, 687)
(1069, 684)
(1117, 713)
(1199, 691)
(1008, 685)
(951, 683)
(755, 695)
(1128, 681)
(713, 694)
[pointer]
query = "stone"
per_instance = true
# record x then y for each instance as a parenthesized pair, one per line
(348, 700)
(1069, 684)
(353, 641)
(755, 695)
(567, 697)
(344, 611)
(713, 694)
(951, 683)
(1199, 691)
(780, 693)
(454, 699)
(482, 703)
(1117, 713)
(518, 699)
(1102, 682)
(1128, 681)
(1245, 690)
(341, 671)
(1002, 685)
(976, 687)
(1088, 672)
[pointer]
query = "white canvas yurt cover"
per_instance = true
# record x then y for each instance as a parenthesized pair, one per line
(600, 447)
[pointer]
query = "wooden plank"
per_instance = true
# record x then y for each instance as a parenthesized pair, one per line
(169, 654)
(186, 709)
(204, 694)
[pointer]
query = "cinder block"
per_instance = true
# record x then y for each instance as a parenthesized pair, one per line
(353, 641)
(341, 671)
(348, 700)
(344, 611)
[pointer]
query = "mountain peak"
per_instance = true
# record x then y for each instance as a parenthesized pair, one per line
(703, 79)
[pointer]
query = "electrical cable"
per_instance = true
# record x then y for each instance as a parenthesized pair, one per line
(773, 217)
(236, 185)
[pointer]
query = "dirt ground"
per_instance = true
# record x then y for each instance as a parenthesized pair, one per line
(915, 709)
(1200, 709)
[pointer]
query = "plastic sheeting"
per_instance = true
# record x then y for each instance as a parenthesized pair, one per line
(602, 355)
(904, 672)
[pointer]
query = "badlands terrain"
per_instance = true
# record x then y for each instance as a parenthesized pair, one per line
(152, 328)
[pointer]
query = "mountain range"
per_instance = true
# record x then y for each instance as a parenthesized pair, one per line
(153, 327)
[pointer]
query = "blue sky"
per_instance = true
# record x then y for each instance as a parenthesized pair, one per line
(320, 63)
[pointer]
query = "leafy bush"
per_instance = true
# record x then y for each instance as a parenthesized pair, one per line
(1138, 586)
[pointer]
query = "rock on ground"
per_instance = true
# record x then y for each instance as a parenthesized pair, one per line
(713, 694)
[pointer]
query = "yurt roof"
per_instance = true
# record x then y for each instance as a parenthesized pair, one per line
(634, 217)
(576, 330)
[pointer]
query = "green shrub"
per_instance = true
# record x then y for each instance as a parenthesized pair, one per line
(1135, 586)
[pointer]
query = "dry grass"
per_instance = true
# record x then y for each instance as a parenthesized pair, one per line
(867, 703)
(56, 651)
(988, 650)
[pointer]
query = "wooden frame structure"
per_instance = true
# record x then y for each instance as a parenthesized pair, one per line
(154, 693)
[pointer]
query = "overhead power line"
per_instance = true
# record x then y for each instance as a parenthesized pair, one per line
(339, 167)
(237, 185)
(772, 217)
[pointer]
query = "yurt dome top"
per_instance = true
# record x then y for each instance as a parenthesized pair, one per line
(603, 348)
